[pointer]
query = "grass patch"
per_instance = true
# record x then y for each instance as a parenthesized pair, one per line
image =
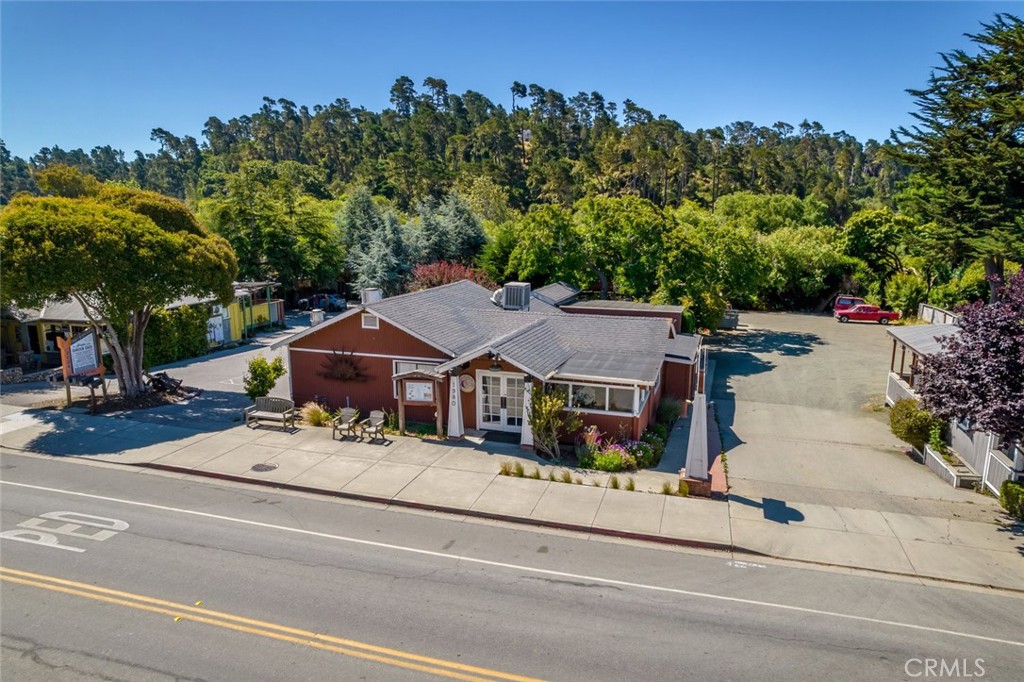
(535, 474)
(566, 476)
(630, 484)
(518, 470)
(613, 482)
(506, 468)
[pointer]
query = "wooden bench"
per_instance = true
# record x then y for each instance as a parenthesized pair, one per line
(271, 409)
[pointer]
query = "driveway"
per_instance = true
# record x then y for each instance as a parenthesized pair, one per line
(219, 374)
(799, 401)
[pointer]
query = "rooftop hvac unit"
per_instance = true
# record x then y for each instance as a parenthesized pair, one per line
(371, 295)
(516, 296)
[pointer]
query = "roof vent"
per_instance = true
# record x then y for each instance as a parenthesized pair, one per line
(515, 296)
(371, 295)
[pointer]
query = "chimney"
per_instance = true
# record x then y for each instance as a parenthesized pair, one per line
(371, 295)
(515, 296)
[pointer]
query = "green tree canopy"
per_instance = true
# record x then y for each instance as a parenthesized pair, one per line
(110, 253)
(968, 148)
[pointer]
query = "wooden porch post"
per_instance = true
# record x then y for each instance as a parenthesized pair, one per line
(401, 407)
(892, 361)
(439, 403)
(903, 359)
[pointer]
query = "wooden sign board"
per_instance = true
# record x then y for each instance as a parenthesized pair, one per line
(419, 391)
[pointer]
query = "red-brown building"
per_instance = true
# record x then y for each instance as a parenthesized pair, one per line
(477, 356)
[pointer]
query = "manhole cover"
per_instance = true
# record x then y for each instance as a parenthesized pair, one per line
(265, 467)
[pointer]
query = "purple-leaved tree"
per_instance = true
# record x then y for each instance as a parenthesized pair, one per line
(980, 372)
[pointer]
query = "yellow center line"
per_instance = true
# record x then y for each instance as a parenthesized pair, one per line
(394, 657)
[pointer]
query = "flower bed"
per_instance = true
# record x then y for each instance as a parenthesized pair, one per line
(625, 455)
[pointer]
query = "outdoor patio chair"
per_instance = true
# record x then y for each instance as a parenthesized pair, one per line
(372, 428)
(345, 423)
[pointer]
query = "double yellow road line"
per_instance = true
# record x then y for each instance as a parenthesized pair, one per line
(315, 640)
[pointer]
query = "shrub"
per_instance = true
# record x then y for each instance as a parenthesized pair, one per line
(1011, 496)
(566, 476)
(613, 482)
(630, 484)
(506, 468)
(518, 470)
(315, 414)
(551, 476)
(666, 488)
(536, 474)
(551, 421)
(660, 431)
(175, 335)
(910, 423)
(684, 488)
(614, 457)
(657, 445)
(668, 411)
(904, 291)
(261, 376)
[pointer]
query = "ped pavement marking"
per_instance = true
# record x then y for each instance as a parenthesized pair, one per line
(530, 569)
(348, 647)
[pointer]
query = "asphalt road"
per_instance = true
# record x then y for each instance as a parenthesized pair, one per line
(194, 580)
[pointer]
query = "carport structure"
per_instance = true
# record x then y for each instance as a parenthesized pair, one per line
(909, 345)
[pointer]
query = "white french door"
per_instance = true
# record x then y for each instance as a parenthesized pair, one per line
(500, 401)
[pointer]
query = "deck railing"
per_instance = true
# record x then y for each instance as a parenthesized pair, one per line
(897, 389)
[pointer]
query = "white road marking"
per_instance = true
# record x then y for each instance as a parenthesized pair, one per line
(528, 569)
(744, 564)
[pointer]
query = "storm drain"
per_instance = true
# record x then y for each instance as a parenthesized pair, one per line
(264, 467)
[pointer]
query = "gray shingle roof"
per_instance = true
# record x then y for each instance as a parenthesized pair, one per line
(627, 305)
(557, 293)
(923, 338)
(684, 347)
(460, 319)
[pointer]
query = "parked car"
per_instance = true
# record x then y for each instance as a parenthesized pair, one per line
(866, 313)
(328, 302)
(845, 301)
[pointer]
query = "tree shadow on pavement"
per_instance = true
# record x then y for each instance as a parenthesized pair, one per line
(1016, 529)
(74, 433)
(764, 341)
(773, 510)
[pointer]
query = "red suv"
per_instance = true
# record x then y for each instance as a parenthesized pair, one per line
(843, 301)
(868, 313)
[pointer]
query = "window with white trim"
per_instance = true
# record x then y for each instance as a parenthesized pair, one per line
(402, 366)
(370, 321)
(597, 398)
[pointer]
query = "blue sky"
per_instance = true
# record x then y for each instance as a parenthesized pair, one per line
(86, 74)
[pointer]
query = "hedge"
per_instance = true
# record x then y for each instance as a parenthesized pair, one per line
(175, 335)
(911, 424)
(1011, 496)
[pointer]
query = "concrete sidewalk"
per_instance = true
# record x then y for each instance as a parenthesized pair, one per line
(464, 478)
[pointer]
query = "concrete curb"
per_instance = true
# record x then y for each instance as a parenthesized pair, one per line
(596, 530)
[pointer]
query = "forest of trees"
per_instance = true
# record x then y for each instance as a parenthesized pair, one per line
(610, 198)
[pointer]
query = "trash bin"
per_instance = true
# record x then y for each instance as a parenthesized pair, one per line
(316, 316)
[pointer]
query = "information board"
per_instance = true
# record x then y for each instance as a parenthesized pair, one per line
(85, 358)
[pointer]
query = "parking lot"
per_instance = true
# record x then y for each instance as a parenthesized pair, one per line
(799, 399)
